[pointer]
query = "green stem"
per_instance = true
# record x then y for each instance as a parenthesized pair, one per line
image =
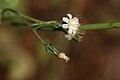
(30, 18)
(54, 25)
(100, 26)
(19, 15)
(38, 36)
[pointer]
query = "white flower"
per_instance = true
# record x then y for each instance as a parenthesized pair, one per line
(72, 24)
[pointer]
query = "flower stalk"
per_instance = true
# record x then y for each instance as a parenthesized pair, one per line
(52, 49)
(39, 37)
(37, 25)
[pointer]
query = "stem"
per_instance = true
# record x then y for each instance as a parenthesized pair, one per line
(19, 15)
(30, 18)
(38, 36)
(100, 26)
(52, 25)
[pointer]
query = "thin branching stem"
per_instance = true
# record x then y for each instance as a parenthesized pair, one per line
(38, 36)
(30, 18)
(20, 15)
(100, 26)
(55, 25)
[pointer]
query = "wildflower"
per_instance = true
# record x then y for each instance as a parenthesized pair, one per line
(72, 24)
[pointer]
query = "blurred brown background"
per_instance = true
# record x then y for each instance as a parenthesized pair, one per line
(97, 57)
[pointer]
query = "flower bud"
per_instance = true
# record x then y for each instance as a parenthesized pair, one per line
(54, 51)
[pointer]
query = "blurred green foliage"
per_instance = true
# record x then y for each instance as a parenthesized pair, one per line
(9, 4)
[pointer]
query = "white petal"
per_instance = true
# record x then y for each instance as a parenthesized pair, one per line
(75, 20)
(65, 19)
(65, 26)
(70, 31)
(74, 27)
(70, 16)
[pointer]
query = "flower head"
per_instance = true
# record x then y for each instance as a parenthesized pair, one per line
(72, 24)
